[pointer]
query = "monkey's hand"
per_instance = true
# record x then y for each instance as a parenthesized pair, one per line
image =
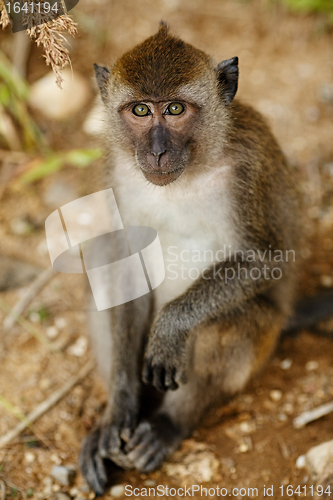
(165, 357)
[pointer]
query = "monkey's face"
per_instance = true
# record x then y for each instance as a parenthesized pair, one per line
(161, 135)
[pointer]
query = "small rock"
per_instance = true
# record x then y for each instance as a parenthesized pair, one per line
(47, 491)
(56, 103)
(52, 332)
(197, 463)
(29, 457)
(149, 482)
(288, 408)
(247, 427)
(275, 395)
(243, 448)
(311, 366)
(318, 457)
(60, 496)
(300, 462)
(117, 491)
(74, 492)
(64, 474)
(326, 281)
(60, 322)
(79, 348)
(286, 364)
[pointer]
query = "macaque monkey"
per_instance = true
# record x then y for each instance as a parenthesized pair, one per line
(203, 170)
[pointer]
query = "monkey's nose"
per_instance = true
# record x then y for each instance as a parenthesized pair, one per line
(154, 157)
(158, 153)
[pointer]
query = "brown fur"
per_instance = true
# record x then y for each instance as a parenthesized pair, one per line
(216, 176)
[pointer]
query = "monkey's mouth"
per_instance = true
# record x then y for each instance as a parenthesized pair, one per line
(160, 178)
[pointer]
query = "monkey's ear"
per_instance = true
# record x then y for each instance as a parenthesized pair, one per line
(227, 74)
(102, 74)
(163, 26)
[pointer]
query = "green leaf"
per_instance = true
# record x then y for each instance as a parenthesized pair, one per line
(82, 158)
(45, 167)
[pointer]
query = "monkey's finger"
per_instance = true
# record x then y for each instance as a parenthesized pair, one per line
(159, 378)
(109, 441)
(128, 427)
(147, 373)
(92, 465)
(154, 461)
(170, 382)
(142, 429)
(144, 453)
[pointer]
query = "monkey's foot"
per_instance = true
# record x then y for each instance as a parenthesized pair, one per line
(94, 466)
(152, 443)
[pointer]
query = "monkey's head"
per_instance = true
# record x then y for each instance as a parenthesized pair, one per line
(162, 98)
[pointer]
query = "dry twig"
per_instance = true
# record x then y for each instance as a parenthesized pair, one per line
(40, 282)
(47, 404)
(311, 415)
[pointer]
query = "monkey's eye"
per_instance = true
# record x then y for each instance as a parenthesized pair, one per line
(175, 108)
(141, 110)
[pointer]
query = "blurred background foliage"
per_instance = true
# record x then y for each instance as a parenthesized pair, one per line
(310, 6)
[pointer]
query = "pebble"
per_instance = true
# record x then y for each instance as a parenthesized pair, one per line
(199, 466)
(55, 459)
(52, 332)
(275, 395)
(60, 496)
(29, 457)
(149, 482)
(326, 281)
(79, 348)
(311, 366)
(319, 459)
(60, 322)
(288, 408)
(300, 462)
(117, 491)
(243, 448)
(56, 103)
(64, 474)
(286, 364)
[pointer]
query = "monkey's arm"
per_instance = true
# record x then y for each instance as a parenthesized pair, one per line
(219, 294)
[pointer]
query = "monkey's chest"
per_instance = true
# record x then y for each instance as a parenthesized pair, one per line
(195, 234)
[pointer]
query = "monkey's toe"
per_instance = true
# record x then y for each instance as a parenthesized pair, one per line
(152, 443)
(92, 465)
(159, 376)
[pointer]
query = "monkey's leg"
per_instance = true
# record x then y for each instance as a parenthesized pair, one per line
(118, 338)
(220, 361)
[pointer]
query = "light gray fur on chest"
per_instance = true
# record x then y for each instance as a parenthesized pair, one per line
(193, 221)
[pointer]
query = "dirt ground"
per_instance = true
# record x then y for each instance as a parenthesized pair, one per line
(286, 62)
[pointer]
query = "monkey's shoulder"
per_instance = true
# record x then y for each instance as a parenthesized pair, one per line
(250, 132)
